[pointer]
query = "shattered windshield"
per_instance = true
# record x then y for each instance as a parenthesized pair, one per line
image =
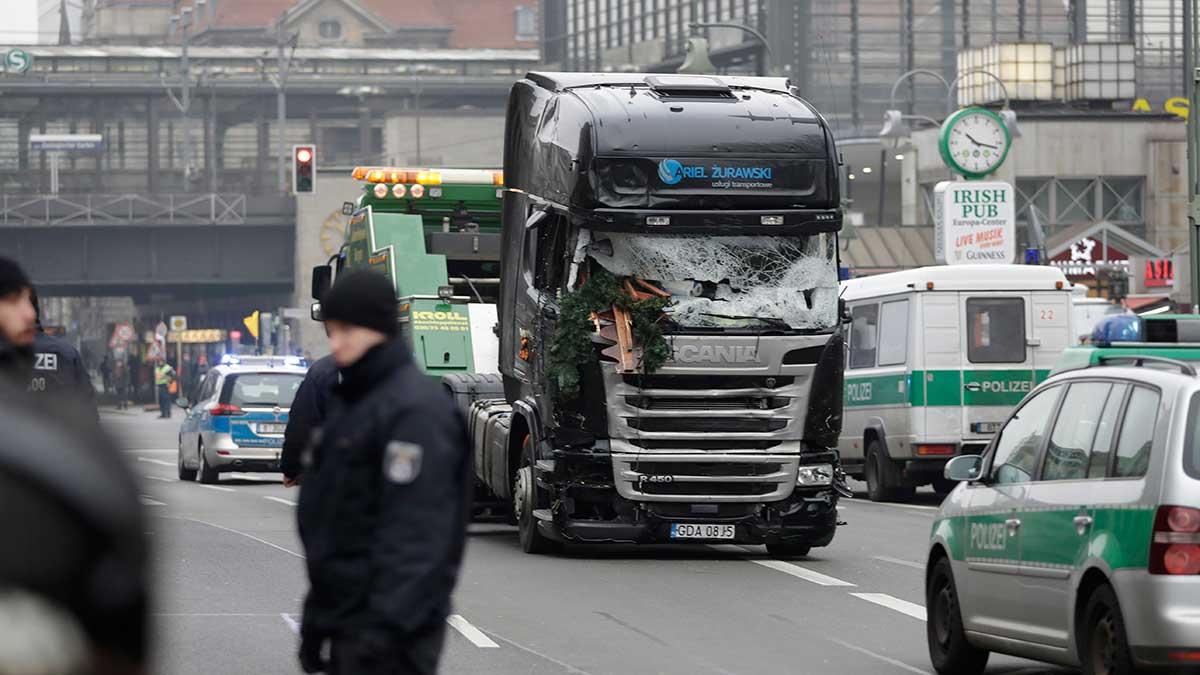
(732, 282)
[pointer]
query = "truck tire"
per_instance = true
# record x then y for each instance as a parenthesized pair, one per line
(788, 550)
(949, 649)
(882, 481)
(526, 498)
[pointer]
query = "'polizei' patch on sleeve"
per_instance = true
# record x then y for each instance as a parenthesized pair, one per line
(402, 462)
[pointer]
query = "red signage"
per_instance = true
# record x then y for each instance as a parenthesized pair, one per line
(1159, 272)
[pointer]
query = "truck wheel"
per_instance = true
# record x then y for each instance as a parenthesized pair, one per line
(949, 650)
(882, 482)
(1104, 648)
(208, 475)
(526, 498)
(788, 550)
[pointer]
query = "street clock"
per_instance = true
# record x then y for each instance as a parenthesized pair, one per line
(974, 142)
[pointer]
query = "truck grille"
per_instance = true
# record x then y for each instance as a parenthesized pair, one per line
(697, 477)
(707, 403)
(702, 444)
(707, 381)
(705, 424)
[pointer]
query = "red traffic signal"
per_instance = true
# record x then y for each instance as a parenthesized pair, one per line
(304, 169)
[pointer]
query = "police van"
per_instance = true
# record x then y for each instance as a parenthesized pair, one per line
(1075, 538)
(936, 359)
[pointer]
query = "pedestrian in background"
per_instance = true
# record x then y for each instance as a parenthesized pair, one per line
(164, 376)
(385, 501)
(58, 369)
(121, 383)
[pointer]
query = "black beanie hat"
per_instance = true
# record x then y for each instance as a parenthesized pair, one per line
(363, 298)
(12, 277)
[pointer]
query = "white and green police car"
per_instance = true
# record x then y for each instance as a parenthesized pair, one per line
(1075, 538)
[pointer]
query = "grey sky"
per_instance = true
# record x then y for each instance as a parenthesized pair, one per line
(19, 23)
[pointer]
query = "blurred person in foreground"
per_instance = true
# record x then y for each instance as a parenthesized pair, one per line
(385, 501)
(306, 416)
(73, 578)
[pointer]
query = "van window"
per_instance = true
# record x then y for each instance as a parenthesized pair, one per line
(864, 334)
(1077, 426)
(893, 333)
(996, 330)
(1102, 446)
(1137, 434)
(1020, 441)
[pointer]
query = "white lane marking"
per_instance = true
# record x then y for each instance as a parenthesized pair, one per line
(147, 501)
(886, 659)
(230, 529)
(158, 478)
(292, 623)
(476, 636)
(898, 561)
(281, 500)
(895, 505)
(550, 659)
(258, 478)
(155, 461)
(903, 606)
(801, 572)
(217, 488)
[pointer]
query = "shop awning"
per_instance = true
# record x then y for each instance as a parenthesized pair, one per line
(873, 250)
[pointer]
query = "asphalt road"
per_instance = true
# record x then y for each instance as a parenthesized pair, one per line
(230, 581)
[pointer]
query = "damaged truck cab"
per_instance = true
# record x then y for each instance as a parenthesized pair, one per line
(670, 337)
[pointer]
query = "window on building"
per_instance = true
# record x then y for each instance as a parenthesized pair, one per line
(526, 16)
(1061, 202)
(864, 335)
(330, 29)
(893, 333)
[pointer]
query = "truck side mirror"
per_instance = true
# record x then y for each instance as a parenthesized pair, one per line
(315, 312)
(843, 311)
(322, 279)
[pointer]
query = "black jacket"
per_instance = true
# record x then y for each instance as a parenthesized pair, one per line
(384, 505)
(307, 413)
(58, 370)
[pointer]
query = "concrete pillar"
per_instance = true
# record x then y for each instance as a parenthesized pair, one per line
(152, 179)
(264, 145)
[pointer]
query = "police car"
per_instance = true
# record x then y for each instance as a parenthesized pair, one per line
(236, 417)
(1075, 537)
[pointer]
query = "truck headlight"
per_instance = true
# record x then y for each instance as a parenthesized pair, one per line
(812, 475)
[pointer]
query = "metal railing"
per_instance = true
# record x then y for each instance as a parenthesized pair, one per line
(126, 209)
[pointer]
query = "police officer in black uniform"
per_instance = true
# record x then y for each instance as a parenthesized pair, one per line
(386, 498)
(306, 416)
(58, 367)
(18, 324)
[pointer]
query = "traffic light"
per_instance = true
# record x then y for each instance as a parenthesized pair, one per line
(304, 169)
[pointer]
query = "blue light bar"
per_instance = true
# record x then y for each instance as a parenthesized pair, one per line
(1121, 328)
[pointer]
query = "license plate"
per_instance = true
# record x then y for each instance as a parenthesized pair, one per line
(985, 427)
(694, 531)
(271, 428)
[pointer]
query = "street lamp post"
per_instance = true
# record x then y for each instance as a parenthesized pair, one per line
(765, 56)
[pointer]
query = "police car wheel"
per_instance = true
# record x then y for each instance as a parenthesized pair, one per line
(184, 472)
(1105, 649)
(208, 475)
(948, 647)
